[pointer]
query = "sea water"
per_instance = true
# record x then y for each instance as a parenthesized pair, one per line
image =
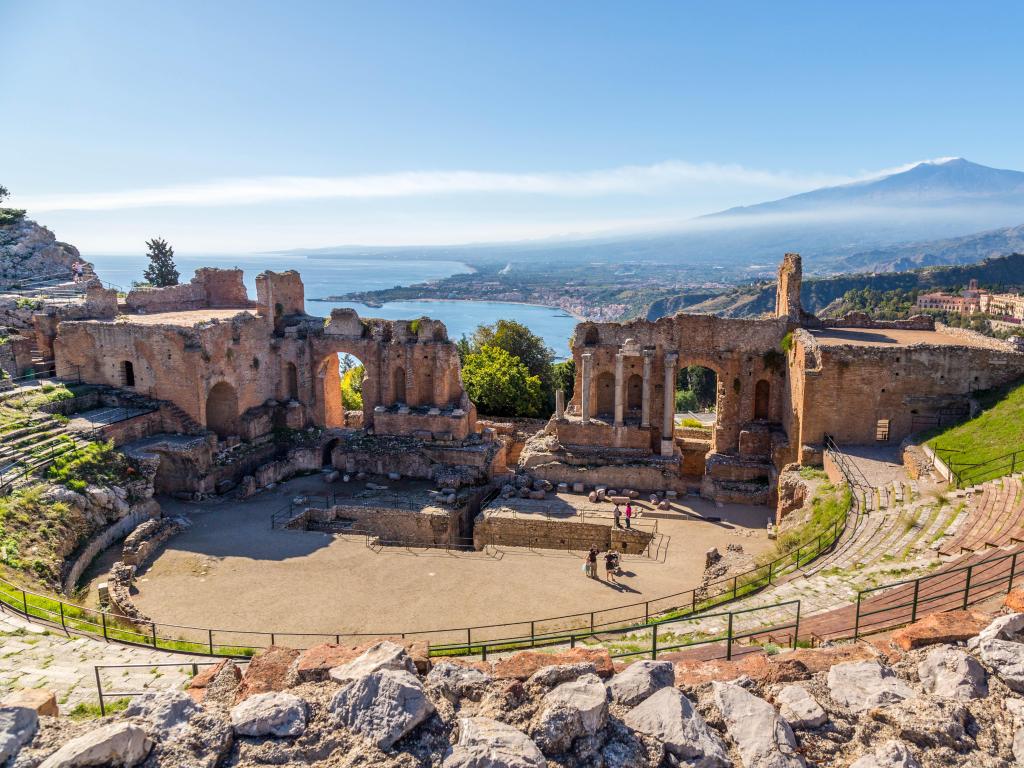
(338, 275)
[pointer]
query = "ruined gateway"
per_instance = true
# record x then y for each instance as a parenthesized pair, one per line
(237, 377)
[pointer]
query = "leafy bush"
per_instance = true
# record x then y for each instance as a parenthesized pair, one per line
(501, 385)
(93, 464)
(11, 216)
(692, 423)
(352, 388)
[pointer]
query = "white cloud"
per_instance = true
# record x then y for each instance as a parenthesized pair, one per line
(634, 179)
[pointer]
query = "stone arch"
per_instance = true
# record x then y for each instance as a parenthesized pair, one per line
(291, 382)
(634, 392)
(398, 393)
(605, 400)
(222, 410)
(328, 449)
(762, 399)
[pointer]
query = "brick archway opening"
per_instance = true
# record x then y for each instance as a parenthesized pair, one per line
(222, 410)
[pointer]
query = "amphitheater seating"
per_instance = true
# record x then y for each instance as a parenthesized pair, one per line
(995, 518)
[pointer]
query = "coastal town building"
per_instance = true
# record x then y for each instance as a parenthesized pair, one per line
(1003, 306)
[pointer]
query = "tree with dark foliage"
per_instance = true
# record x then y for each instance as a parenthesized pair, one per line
(161, 271)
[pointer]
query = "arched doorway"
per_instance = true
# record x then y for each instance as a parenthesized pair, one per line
(127, 374)
(634, 392)
(605, 385)
(291, 382)
(398, 385)
(328, 450)
(222, 410)
(762, 399)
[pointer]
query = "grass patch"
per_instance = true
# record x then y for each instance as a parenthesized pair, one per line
(89, 711)
(997, 431)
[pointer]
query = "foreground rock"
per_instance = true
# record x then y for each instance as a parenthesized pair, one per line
(639, 680)
(891, 754)
(861, 685)
(120, 744)
(669, 717)
(455, 682)
(799, 708)
(940, 628)
(383, 706)
(487, 743)
(575, 709)
(953, 674)
(763, 739)
(270, 714)
(166, 711)
(384, 655)
(17, 726)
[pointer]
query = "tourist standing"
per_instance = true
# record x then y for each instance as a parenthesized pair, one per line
(611, 562)
(617, 513)
(592, 563)
(629, 513)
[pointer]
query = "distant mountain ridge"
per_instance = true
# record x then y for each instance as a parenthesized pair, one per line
(834, 228)
(818, 293)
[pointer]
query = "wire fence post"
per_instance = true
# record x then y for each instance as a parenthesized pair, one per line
(209, 639)
(99, 691)
(913, 605)
(532, 635)
(856, 619)
(728, 640)
(24, 603)
(796, 626)
(103, 618)
(62, 625)
(1013, 570)
(654, 642)
(967, 586)
(153, 623)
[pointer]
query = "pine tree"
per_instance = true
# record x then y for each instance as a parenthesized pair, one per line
(161, 271)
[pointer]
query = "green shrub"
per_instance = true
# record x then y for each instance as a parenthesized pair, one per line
(93, 464)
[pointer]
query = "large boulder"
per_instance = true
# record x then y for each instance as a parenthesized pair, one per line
(382, 706)
(1008, 627)
(269, 714)
(669, 717)
(572, 710)
(168, 712)
(17, 727)
(119, 744)
(40, 700)
(639, 680)
(487, 743)
(549, 677)
(763, 739)
(945, 628)
(1006, 659)
(799, 708)
(888, 754)
(861, 685)
(267, 671)
(456, 682)
(952, 673)
(522, 665)
(383, 655)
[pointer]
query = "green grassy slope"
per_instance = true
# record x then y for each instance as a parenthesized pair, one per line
(996, 432)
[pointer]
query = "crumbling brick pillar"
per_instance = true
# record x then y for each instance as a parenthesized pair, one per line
(645, 402)
(587, 372)
(668, 420)
(619, 390)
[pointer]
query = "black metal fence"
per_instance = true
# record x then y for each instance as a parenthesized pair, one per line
(967, 473)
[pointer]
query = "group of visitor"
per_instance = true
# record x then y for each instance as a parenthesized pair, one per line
(77, 270)
(618, 515)
(612, 564)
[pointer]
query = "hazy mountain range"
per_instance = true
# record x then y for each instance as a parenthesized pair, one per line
(938, 212)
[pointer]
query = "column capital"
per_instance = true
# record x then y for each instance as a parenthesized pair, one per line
(672, 357)
(647, 353)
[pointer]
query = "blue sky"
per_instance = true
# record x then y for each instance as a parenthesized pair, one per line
(254, 126)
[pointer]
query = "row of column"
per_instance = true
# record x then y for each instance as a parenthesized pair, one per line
(671, 362)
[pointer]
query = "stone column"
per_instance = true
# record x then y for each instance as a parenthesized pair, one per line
(560, 404)
(587, 359)
(619, 387)
(668, 419)
(645, 395)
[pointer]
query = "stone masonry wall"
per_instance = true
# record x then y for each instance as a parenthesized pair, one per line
(499, 530)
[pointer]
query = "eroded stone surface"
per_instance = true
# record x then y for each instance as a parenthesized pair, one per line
(269, 714)
(166, 711)
(763, 739)
(952, 673)
(384, 655)
(670, 717)
(799, 708)
(890, 754)
(860, 685)
(118, 744)
(382, 706)
(487, 743)
(639, 680)
(17, 726)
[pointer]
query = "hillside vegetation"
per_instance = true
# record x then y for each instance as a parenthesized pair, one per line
(996, 432)
(1002, 273)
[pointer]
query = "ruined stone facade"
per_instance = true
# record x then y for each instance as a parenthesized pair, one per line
(242, 368)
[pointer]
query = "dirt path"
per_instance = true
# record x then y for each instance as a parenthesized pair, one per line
(231, 571)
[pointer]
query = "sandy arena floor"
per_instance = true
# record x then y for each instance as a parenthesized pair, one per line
(231, 571)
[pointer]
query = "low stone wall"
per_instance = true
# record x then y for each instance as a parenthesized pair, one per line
(297, 460)
(498, 530)
(140, 544)
(428, 526)
(864, 320)
(139, 515)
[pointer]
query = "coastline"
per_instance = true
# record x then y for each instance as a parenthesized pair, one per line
(573, 315)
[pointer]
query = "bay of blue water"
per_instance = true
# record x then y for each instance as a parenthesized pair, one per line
(334, 276)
